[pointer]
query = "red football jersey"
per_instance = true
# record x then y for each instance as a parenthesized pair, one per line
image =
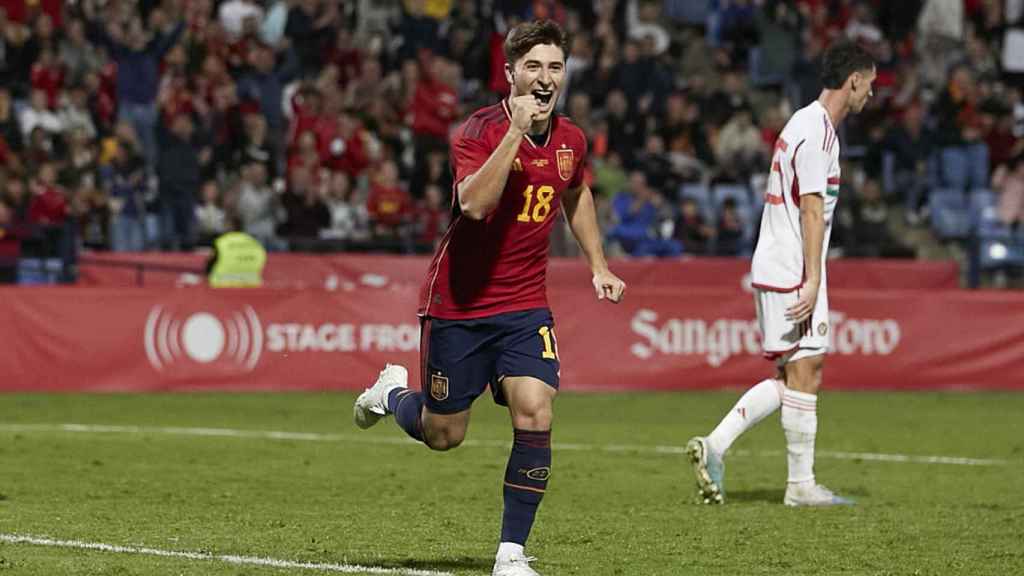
(499, 264)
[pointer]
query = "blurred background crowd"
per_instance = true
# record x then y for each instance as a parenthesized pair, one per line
(322, 125)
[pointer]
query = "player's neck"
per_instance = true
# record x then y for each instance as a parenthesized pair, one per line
(540, 128)
(834, 104)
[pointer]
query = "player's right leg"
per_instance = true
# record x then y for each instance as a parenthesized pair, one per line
(454, 369)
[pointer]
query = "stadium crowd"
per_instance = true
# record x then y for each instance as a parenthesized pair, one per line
(322, 125)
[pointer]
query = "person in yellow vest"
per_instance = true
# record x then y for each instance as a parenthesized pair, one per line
(237, 261)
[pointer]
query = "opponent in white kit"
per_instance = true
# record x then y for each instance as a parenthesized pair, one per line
(790, 282)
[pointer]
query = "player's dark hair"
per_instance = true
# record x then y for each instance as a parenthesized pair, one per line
(842, 59)
(525, 36)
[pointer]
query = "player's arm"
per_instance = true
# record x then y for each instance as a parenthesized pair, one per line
(480, 192)
(812, 171)
(812, 223)
(581, 214)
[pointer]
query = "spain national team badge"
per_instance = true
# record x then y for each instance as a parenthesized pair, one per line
(565, 162)
(438, 387)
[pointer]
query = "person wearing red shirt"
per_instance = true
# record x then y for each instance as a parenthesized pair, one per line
(388, 204)
(48, 206)
(484, 313)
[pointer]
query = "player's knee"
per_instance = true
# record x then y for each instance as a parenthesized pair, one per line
(533, 417)
(444, 439)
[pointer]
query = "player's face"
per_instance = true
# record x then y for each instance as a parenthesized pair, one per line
(540, 72)
(861, 89)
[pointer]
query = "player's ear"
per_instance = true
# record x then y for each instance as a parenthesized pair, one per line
(509, 74)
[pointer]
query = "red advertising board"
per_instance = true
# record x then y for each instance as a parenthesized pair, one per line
(348, 270)
(73, 338)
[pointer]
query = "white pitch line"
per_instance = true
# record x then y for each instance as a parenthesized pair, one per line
(228, 558)
(363, 439)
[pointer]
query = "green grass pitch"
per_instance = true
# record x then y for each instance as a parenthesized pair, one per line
(620, 501)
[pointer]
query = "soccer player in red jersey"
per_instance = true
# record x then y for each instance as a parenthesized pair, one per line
(484, 313)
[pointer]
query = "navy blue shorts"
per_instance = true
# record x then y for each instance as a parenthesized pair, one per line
(459, 359)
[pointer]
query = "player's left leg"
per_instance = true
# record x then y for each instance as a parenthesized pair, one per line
(527, 381)
(529, 467)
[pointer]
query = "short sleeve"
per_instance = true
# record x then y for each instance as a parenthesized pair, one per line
(812, 163)
(467, 156)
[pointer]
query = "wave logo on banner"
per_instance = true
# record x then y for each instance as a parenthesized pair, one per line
(203, 338)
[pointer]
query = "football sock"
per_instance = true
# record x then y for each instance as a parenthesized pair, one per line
(758, 402)
(407, 406)
(800, 423)
(526, 479)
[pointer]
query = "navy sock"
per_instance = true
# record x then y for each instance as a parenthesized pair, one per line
(526, 479)
(407, 406)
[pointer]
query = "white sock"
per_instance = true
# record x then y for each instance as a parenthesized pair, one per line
(752, 407)
(509, 550)
(800, 423)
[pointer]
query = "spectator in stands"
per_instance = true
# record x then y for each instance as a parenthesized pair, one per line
(639, 215)
(75, 114)
(259, 211)
(49, 206)
(256, 146)
(79, 57)
(210, 217)
(180, 173)
(349, 218)
(306, 212)
(906, 149)
(91, 208)
(10, 130)
(38, 114)
(390, 206)
(137, 52)
(1008, 182)
(125, 182)
(308, 30)
(729, 236)
(964, 156)
(740, 150)
(690, 230)
(431, 219)
(870, 230)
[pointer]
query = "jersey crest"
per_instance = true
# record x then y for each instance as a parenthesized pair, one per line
(565, 160)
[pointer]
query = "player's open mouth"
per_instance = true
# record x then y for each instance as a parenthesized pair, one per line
(543, 96)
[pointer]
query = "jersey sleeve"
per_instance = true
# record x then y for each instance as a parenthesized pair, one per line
(467, 156)
(580, 174)
(812, 162)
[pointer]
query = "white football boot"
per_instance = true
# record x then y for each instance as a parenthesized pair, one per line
(372, 404)
(708, 468)
(514, 565)
(813, 494)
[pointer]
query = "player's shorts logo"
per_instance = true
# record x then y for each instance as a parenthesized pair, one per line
(438, 387)
(539, 474)
(822, 329)
(565, 161)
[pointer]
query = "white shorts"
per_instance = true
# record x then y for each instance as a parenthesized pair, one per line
(785, 341)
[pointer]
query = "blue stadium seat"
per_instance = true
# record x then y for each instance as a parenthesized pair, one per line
(955, 168)
(982, 203)
(950, 214)
(739, 193)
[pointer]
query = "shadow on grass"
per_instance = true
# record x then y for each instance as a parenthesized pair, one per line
(769, 496)
(446, 564)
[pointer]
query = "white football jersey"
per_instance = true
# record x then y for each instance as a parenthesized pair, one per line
(806, 161)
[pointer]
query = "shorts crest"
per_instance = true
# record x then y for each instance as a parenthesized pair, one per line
(438, 387)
